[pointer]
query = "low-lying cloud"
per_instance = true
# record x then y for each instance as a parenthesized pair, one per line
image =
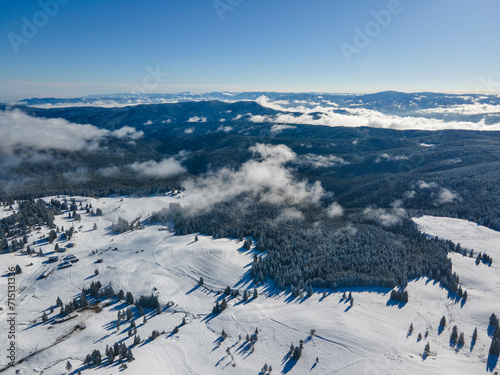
(358, 117)
(388, 157)
(465, 109)
(321, 161)
(335, 210)
(265, 177)
(19, 130)
(387, 217)
(278, 128)
(163, 169)
(197, 119)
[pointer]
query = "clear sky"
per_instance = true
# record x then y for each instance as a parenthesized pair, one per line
(84, 47)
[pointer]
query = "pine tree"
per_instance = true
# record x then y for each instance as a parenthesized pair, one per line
(454, 334)
(297, 352)
(245, 295)
(495, 347)
(83, 300)
(427, 350)
(111, 356)
(255, 294)
(44, 317)
(59, 302)
(68, 366)
(493, 320)
(410, 330)
(474, 335)
(461, 339)
(201, 282)
(442, 323)
(129, 298)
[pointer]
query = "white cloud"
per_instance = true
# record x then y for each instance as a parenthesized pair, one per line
(425, 185)
(388, 157)
(19, 130)
(278, 128)
(164, 168)
(358, 117)
(225, 129)
(335, 210)
(447, 196)
(264, 177)
(189, 130)
(127, 132)
(465, 109)
(322, 161)
(409, 194)
(386, 217)
(197, 119)
(109, 171)
(149, 122)
(440, 195)
(290, 214)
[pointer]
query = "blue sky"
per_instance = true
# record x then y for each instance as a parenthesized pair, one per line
(108, 46)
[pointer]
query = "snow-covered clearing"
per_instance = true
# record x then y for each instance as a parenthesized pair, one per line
(8, 210)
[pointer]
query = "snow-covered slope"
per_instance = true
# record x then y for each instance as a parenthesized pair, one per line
(7, 211)
(371, 337)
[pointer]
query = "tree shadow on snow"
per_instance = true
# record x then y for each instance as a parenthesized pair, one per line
(440, 330)
(491, 330)
(398, 304)
(472, 344)
(288, 364)
(492, 363)
(194, 288)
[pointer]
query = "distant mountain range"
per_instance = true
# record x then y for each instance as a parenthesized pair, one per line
(387, 100)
